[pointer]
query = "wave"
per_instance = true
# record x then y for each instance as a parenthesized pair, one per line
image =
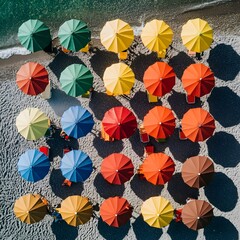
(8, 52)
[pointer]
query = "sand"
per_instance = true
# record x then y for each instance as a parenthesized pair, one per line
(223, 147)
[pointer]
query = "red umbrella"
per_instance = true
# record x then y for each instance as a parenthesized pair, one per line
(117, 168)
(32, 78)
(119, 123)
(116, 211)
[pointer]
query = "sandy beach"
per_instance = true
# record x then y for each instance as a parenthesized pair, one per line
(223, 147)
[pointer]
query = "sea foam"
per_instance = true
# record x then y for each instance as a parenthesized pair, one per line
(8, 52)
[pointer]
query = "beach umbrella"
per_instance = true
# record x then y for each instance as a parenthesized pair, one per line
(74, 35)
(197, 214)
(32, 78)
(157, 212)
(198, 124)
(32, 123)
(159, 79)
(197, 171)
(30, 208)
(159, 122)
(76, 210)
(117, 168)
(34, 35)
(33, 165)
(118, 79)
(116, 36)
(157, 168)
(156, 35)
(116, 211)
(77, 122)
(198, 80)
(197, 35)
(76, 79)
(119, 123)
(76, 166)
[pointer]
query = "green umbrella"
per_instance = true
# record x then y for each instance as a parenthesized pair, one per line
(76, 79)
(34, 35)
(74, 35)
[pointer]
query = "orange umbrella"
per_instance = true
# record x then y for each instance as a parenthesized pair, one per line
(198, 124)
(159, 122)
(157, 168)
(198, 80)
(159, 79)
(117, 168)
(32, 78)
(116, 211)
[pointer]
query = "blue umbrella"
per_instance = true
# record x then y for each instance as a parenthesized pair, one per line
(33, 165)
(77, 122)
(76, 166)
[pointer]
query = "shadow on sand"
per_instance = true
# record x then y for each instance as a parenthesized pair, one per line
(224, 106)
(224, 62)
(224, 149)
(137, 145)
(224, 198)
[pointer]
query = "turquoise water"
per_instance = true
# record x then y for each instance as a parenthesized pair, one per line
(94, 12)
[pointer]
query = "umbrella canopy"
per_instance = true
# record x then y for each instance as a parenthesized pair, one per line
(157, 168)
(76, 210)
(156, 35)
(77, 122)
(76, 166)
(159, 122)
(159, 79)
(198, 124)
(33, 165)
(34, 35)
(30, 208)
(76, 79)
(198, 80)
(117, 168)
(118, 79)
(116, 211)
(116, 36)
(197, 171)
(157, 212)
(32, 78)
(197, 214)
(32, 123)
(119, 123)
(74, 35)
(197, 35)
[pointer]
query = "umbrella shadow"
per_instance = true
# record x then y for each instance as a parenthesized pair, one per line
(63, 231)
(180, 191)
(224, 62)
(143, 231)
(137, 145)
(224, 106)
(177, 230)
(144, 189)
(56, 180)
(224, 149)
(220, 228)
(106, 189)
(60, 101)
(225, 198)
(61, 61)
(101, 103)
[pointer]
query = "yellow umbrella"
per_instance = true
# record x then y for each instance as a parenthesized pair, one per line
(118, 79)
(116, 36)
(76, 210)
(157, 212)
(157, 36)
(30, 208)
(32, 123)
(197, 35)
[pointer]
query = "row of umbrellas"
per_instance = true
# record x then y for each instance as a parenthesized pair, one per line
(115, 211)
(116, 35)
